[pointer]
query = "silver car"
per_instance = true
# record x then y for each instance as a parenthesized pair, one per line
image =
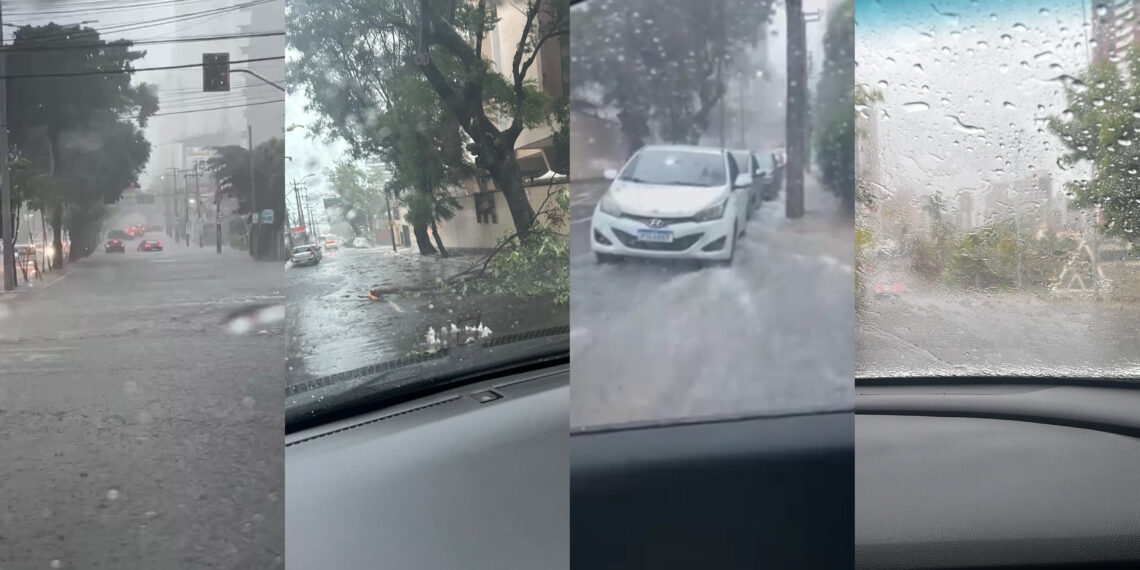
(306, 255)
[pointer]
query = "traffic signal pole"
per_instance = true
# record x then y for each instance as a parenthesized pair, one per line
(9, 241)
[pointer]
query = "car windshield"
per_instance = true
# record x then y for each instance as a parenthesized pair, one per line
(676, 167)
(675, 321)
(764, 162)
(457, 201)
(140, 389)
(998, 228)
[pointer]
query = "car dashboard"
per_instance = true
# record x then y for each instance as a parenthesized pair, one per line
(997, 475)
(474, 477)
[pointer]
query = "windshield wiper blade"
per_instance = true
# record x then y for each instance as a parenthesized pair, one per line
(380, 385)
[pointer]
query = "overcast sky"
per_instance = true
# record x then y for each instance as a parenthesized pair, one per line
(152, 20)
(962, 80)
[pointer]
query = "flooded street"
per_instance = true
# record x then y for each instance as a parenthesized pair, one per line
(139, 432)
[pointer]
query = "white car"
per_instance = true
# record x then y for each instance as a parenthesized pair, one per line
(672, 202)
(359, 242)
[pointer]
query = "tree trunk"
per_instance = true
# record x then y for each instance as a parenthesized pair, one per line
(635, 127)
(508, 179)
(423, 240)
(438, 242)
(57, 236)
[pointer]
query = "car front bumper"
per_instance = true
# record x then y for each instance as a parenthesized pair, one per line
(710, 240)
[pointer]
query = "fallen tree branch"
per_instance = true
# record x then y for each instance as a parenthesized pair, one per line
(476, 270)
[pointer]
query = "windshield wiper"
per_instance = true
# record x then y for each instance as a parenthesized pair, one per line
(345, 394)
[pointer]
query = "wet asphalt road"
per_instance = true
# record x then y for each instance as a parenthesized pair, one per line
(137, 432)
(668, 340)
(333, 326)
(927, 331)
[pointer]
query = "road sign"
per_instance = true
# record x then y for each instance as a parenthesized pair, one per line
(333, 202)
(267, 216)
(391, 224)
(298, 229)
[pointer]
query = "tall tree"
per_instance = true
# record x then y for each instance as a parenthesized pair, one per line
(835, 105)
(666, 72)
(84, 87)
(354, 50)
(231, 169)
(1099, 127)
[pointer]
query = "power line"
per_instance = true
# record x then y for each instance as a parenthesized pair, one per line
(209, 109)
(137, 69)
(157, 22)
(96, 7)
(114, 43)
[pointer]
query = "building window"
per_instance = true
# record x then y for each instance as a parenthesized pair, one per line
(485, 208)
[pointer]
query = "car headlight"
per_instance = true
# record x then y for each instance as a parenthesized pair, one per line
(609, 206)
(714, 212)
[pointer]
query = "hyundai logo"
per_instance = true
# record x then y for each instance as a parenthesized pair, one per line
(656, 222)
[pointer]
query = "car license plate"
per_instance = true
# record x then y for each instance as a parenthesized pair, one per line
(655, 236)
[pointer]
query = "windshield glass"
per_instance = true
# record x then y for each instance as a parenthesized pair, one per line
(453, 207)
(742, 308)
(676, 167)
(998, 228)
(140, 382)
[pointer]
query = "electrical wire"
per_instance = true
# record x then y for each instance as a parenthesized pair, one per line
(183, 112)
(135, 70)
(144, 24)
(112, 43)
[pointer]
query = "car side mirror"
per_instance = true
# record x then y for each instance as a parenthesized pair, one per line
(743, 180)
(610, 173)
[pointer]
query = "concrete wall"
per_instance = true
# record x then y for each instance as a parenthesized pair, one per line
(465, 232)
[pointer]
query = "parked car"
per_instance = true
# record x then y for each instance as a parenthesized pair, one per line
(757, 178)
(114, 246)
(360, 242)
(672, 202)
(306, 254)
(150, 246)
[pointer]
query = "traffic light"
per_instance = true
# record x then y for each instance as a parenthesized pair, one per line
(215, 72)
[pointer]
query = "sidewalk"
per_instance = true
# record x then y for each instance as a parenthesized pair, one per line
(825, 229)
(35, 284)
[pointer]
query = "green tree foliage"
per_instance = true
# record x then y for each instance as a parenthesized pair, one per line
(230, 166)
(663, 64)
(1099, 126)
(74, 129)
(357, 51)
(835, 105)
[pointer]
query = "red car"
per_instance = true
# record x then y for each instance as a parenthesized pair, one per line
(114, 245)
(150, 246)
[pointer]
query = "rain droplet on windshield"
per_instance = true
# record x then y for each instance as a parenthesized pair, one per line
(1008, 105)
(916, 106)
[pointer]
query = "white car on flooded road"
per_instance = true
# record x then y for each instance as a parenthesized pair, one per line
(672, 202)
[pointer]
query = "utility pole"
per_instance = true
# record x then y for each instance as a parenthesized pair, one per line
(391, 222)
(218, 212)
(254, 226)
(796, 108)
(198, 202)
(9, 241)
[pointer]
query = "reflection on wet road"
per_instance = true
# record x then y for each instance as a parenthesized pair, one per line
(334, 327)
(926, 331)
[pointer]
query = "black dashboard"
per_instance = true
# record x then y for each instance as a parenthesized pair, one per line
(997, 475)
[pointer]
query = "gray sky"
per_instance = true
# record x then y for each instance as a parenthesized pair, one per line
(961, 80)
(147, 20)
